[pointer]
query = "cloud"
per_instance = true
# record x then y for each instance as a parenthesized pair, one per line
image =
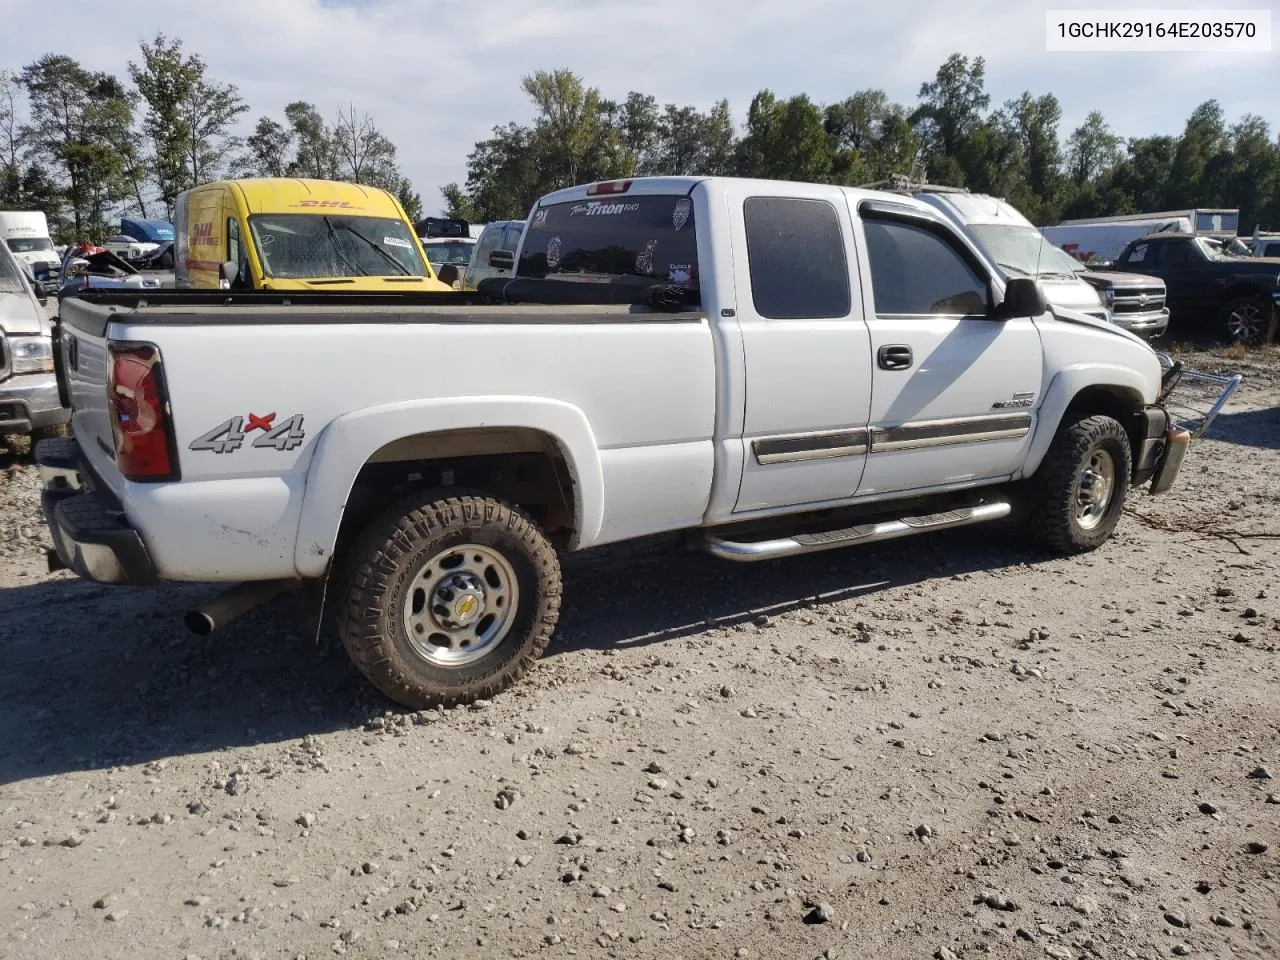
(437, 77)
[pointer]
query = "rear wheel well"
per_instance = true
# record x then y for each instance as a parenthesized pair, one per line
(522, 466)
(1122, 405)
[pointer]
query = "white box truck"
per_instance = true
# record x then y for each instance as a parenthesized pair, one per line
(26, 234)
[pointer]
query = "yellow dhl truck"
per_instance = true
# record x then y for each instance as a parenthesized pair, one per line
(285, 233)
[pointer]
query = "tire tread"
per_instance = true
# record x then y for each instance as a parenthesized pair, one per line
(370, 576)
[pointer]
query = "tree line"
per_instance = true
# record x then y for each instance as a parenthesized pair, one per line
(86, 146)
(952, 135)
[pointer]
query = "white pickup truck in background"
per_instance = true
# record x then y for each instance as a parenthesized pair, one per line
(776, 368)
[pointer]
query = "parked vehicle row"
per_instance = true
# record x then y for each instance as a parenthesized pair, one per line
(1018, 248)
(773, 368)
(26, 234)
(1238, 295)
(296, 234)
(29, 398)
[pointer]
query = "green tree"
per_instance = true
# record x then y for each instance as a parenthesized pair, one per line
(871, 138)
(76, 116)
(315, 153)
(188, 117)
(1033, 123)
(267, 151)
(953, 105)
(458, 205)
(1092, 149)
(1253, 177)
(1144, 172)
(571, 127)
(1201, 160)
(784, 140)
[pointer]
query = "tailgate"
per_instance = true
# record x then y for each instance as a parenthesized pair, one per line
(81, 364)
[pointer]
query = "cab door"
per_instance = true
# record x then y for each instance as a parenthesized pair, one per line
(954, 392)
(806, 346)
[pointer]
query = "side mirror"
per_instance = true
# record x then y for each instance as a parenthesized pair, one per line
(1022, 298)
(227, 273)
(502, 259)
(38, 289)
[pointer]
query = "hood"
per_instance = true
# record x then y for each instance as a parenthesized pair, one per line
(1072, 294)
(1083, 319)
(20, 315)
(1107, 278)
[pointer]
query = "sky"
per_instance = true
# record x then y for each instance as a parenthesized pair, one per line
(438, 75)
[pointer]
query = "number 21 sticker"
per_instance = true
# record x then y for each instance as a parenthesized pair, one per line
(231, 434)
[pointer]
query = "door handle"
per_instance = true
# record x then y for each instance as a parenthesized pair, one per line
(894, 357)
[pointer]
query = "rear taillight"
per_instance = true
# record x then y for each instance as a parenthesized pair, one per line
(138, 404)
(608, 187)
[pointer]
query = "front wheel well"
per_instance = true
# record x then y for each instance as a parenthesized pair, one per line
(1121, 404)
(522, 466)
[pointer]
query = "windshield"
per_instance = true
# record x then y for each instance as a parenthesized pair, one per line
(30, 244)
(454, 252)
(1024, 250)
(11, 276)
(629, 238)
(308, 246)
(1213, 249)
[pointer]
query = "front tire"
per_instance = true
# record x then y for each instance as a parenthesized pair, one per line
(449, 599)
(1078, 492)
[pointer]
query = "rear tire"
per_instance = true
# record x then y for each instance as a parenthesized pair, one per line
(449, 599)
(1078, 493)
(1245, 320)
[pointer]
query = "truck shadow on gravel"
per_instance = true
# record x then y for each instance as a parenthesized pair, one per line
(1248, 428)
(96, 677)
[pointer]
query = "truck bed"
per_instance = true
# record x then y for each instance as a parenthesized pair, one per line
(630, 394)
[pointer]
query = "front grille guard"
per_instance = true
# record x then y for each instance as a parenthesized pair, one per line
(1193, 398)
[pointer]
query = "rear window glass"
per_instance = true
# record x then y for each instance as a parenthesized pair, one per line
(643, 238)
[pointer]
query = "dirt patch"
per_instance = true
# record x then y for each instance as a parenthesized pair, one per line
(950, 748)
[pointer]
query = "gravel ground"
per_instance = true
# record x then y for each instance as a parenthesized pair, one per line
(950, 747)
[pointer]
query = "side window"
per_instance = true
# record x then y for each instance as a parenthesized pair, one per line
(1174, 254)
(1273, 250)
(796, 258)
(236, 253)
(915, 272)
(1138, 254)
(488, 243)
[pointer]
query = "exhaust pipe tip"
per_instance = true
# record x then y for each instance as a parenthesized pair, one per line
(199, 623)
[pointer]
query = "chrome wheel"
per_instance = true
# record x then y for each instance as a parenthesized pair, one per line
(460, 604)
(1245, 322)
(1094, 489)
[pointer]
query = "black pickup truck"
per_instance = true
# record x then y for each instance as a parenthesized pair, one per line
(1236, 295)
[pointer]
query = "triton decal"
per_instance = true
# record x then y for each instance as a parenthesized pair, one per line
(230, 435)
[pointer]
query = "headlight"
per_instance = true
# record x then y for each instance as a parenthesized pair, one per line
(31, 354)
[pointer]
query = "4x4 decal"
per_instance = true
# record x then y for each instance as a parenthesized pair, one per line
(231, 434)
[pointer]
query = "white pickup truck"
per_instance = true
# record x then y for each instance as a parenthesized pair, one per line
(776, 368)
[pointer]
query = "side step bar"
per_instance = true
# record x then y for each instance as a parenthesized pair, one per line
(751, 550)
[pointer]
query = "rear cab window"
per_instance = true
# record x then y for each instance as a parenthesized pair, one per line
(621, 238)
(797, 260)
